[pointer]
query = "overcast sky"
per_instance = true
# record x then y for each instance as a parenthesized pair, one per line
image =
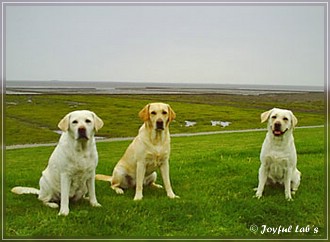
(192, 44)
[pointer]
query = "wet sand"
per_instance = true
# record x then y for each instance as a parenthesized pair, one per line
(61, 87)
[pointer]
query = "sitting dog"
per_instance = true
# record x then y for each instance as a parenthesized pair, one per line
(148, 151)
(70, 173)
(278, 153)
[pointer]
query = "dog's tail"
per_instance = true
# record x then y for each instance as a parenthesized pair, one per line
(103, 177)
(25, 190)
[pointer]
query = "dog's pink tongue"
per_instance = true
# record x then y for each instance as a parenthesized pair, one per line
(277, 132)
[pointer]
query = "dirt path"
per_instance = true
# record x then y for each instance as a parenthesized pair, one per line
(13, 147)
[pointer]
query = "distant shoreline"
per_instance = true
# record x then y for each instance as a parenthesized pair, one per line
(80, 87)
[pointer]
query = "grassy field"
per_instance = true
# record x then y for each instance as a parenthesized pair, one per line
(214, 175)
(33, 119)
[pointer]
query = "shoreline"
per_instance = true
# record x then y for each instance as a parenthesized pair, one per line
(40, 91)
(62, 87)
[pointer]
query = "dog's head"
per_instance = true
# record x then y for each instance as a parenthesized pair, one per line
(157, 115)
(279, 121)
(81, 124)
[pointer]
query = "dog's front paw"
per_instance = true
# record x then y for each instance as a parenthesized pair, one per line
(64, 212)
(96, 204)
(288, 198)
(258, 195)
(138, 197)
(172, 196)
(175, 196)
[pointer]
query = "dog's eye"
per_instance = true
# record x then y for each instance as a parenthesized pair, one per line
(74, 121)
(88, 121)
(285, 119)
(164, 112)
(153, 113)
(274, 117)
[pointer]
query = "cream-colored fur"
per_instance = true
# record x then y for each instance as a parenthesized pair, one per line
(278, 153)
(148, 151)
(70, 173)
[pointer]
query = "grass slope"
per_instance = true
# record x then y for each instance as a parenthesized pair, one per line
(214, 176)
(40, 114)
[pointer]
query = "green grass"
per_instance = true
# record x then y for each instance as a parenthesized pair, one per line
(34, 122)
(214, 175)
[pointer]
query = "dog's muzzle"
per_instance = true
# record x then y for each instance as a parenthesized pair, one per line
(277, 131)
(159, 124)
(82, 133)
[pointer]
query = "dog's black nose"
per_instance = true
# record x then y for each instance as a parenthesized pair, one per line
(277, 126)
(82, 133)
(81, 130)
(159, 124)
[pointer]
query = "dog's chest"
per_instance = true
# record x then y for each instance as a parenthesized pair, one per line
(277, 166)
(82, 162)
(81, 169)
(156, 156)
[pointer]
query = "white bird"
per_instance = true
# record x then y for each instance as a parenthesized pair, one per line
(225, 124)
(221, 123)
(190, 123)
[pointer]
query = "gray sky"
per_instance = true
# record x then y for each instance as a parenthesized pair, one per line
(192, 44)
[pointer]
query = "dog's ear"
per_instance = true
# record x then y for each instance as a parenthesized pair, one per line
(171, 113)
(294, 119)
(98, 122)
(64, 123)
(144, 113)
(265, 115)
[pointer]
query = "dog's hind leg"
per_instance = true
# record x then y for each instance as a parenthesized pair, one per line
(151, 181)
(48, 201)
(47, 198)
(116, 184)
(295, 181)
(51, 204)
(117, 189)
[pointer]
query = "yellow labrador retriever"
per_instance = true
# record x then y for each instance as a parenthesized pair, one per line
(148, 151)
(278, 153)
(70, 173)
